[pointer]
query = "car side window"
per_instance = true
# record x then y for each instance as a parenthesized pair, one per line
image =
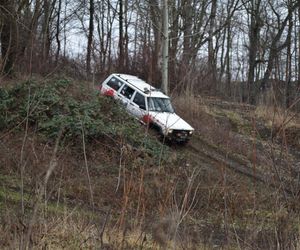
(127, 91)
(139, 100)
(114, 83)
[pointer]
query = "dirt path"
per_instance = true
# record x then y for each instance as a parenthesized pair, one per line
(203, 154)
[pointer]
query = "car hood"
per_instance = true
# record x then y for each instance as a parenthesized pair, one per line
(170, 121)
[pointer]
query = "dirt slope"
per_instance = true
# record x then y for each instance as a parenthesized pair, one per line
(113, 185)
(235, 136)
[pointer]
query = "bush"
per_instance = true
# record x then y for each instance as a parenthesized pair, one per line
(53, 106)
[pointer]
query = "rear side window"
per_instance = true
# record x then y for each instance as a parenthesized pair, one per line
(139, 100)
(127, 91)
(114, 83)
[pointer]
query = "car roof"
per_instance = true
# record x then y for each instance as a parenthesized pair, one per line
(141, 85)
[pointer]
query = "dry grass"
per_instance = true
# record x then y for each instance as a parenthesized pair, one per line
(278, 117)
(193, 106)
(188, 203)
(284, 125)
(141, 213)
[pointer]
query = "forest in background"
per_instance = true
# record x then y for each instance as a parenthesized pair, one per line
(247, 50)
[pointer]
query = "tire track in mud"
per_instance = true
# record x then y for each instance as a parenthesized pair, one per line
(217, 158)
(206, 154)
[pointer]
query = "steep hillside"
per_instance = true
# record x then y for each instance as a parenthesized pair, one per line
(78, 172)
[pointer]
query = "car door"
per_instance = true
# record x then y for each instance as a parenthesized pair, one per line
(125, 95)
(137, 107)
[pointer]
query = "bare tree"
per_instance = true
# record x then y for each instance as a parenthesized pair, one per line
(275, 46)
(165, 54)
(187, 23)
(8, 35)
(202, 40)
(58, 20)
(256, 23)
(298, 38)
(175, 33)
(156, 21)
(288, 60)
(121, 36)
(211, 51)
(90, 36)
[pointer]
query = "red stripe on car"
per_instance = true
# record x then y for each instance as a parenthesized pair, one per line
(109, 92)
(147, 119)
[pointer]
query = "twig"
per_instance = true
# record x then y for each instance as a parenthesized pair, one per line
(51, 167)
(186, 206)
(86, 166)
(104, 226)
(120, 168)
(22, 151)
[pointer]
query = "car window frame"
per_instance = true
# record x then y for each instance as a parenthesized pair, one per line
(123, 96)
(117, 90)
(145, 99)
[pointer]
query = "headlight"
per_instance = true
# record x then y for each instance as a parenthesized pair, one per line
(191, 132)
(170, 131)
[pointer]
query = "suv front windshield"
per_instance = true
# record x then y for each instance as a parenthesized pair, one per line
(160, 104)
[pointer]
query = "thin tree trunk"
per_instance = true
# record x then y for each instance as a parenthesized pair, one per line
(275, 49)
(298, 48)
(46, 30)
(187, 31)
(126, 37)
(222, 57)
(211, 53)
(165, 54)
(8, 36)
(174, 33)
(228, 60)
(90, 38)
(121, 37)
(58, 31)
(157, 28)
(65, 29)
(289, 63)
(254, 36)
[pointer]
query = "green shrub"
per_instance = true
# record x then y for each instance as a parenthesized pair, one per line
(52, 106)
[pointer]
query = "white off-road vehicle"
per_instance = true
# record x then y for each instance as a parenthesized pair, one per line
(147, 104)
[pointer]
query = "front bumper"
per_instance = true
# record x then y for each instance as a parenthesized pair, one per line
(180, 135)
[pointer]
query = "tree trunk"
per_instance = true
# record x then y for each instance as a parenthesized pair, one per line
(228, 60)
(126, 37)
(211, 52)
(298, 47)
(165, 54)
(174, 34)
(90, 38)
(58, 31)
(289, 62)
(156, 22)
(8, 36)
(46, 30)
(254, 36)
(121, 37)
(275, 48)
(187, 13)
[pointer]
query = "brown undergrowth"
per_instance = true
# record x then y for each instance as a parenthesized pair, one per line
(107, 192)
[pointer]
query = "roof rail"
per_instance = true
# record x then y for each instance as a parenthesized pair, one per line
(146, 91)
